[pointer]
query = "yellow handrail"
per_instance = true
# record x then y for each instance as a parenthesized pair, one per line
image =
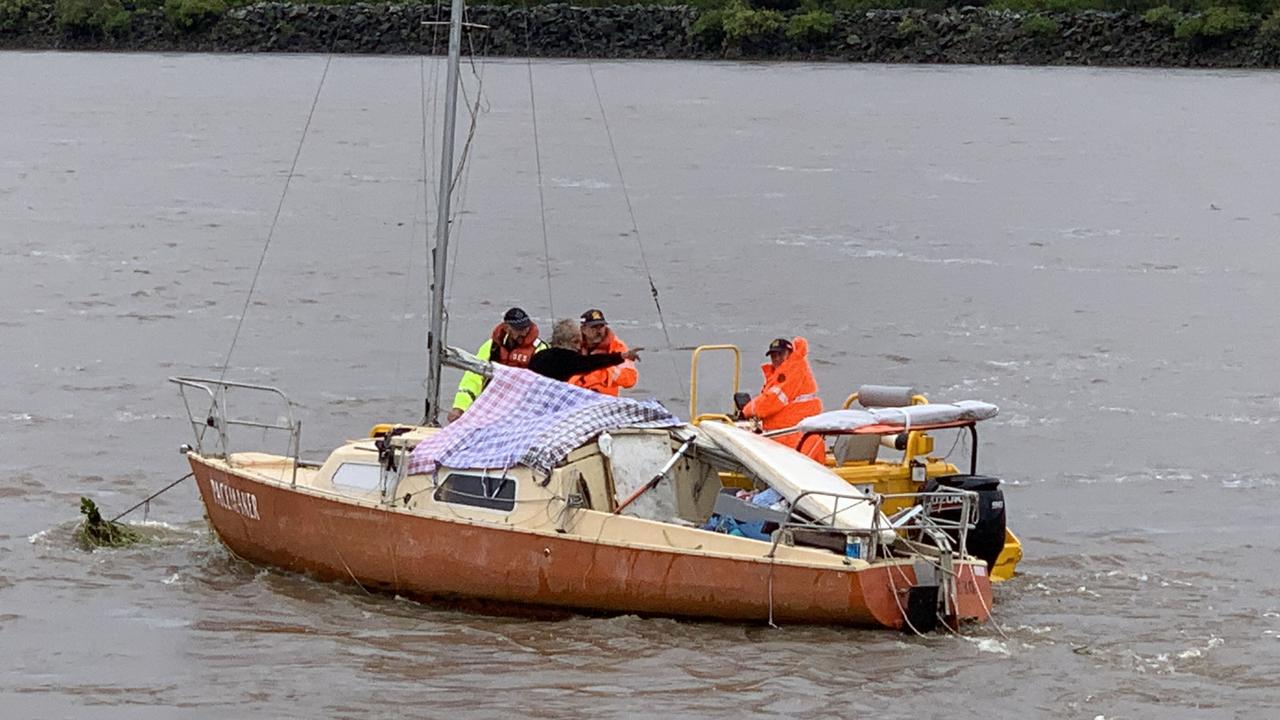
(693, 380)
(918, 443)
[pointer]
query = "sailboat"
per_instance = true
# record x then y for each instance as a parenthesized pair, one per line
(547, 498)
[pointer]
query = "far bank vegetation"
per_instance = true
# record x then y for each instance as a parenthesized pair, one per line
(727, 24)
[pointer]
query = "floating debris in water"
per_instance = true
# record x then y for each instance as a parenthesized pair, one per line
(94, 532)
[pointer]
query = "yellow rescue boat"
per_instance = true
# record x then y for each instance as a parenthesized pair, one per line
(853, 453)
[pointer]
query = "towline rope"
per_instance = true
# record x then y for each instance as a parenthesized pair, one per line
(153, 496)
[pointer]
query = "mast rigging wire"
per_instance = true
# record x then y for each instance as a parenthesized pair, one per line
(537, 157)
(275, 220)
(635, 228)
(427, 154)
(466, 175)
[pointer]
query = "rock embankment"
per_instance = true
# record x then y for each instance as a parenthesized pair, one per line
(966, 35)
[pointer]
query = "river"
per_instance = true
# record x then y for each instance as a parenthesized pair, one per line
(1092, 250)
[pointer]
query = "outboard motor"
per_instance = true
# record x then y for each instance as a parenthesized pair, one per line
(986, 540)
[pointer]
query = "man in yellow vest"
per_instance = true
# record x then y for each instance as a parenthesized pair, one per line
(512, 342)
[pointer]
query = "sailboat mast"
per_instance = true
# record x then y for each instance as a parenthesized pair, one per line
(439, 255)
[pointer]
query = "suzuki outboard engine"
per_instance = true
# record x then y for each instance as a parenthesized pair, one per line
(986, 540)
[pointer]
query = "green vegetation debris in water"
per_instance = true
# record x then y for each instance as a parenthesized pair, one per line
(94, 532)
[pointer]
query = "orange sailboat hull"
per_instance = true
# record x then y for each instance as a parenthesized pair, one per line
(502, 567)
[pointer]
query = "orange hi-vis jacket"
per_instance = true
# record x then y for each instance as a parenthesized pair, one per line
(518, 356)
(611, 379)
(790, 394)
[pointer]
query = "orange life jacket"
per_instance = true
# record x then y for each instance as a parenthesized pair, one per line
(789, 395)
(518, 356)
(611, 379)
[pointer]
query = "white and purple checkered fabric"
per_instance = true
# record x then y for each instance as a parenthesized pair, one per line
(523, 418)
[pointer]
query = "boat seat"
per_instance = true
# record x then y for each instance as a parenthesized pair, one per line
(855, 448)
(864, 448)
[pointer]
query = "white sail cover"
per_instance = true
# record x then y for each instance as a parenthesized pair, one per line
(906, 417)
(794, 474)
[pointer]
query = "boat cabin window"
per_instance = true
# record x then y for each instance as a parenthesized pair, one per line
(491, 492)
(361, 476)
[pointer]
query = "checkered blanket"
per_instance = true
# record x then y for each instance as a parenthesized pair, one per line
(523, 418)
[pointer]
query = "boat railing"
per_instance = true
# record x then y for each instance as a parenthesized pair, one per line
(948, 533)
(219, 418)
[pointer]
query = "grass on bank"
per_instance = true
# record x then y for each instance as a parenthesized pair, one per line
(721, 22)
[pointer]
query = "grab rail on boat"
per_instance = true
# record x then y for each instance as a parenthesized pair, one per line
(921, 521)
(219, 418)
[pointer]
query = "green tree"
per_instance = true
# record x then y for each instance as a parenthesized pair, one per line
(811, 26)
(193, 15)
(89, 17)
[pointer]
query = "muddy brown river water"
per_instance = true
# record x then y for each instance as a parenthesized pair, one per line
(1093, 250)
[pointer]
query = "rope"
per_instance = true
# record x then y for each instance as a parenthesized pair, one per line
(474, 111)
(954, 443)
(329, 535)
(427, 183)
(893, 588)
(465, 169)
(772, 561)
(153, 496)
(537, 157)
(991, 615)
(428, 161)
(275, 220)
(635, 228)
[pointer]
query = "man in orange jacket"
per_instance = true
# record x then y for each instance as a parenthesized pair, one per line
(790, 394)
(598, 339)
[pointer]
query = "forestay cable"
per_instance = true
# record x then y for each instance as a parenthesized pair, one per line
(275, 220)
(537, 157)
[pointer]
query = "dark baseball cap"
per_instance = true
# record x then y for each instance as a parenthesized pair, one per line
(517, 318)
(778, 345)
(593, 317)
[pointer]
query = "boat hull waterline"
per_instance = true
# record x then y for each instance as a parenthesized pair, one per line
(439, 560)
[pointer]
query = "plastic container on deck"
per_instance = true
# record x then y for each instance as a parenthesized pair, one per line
(852, 547)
